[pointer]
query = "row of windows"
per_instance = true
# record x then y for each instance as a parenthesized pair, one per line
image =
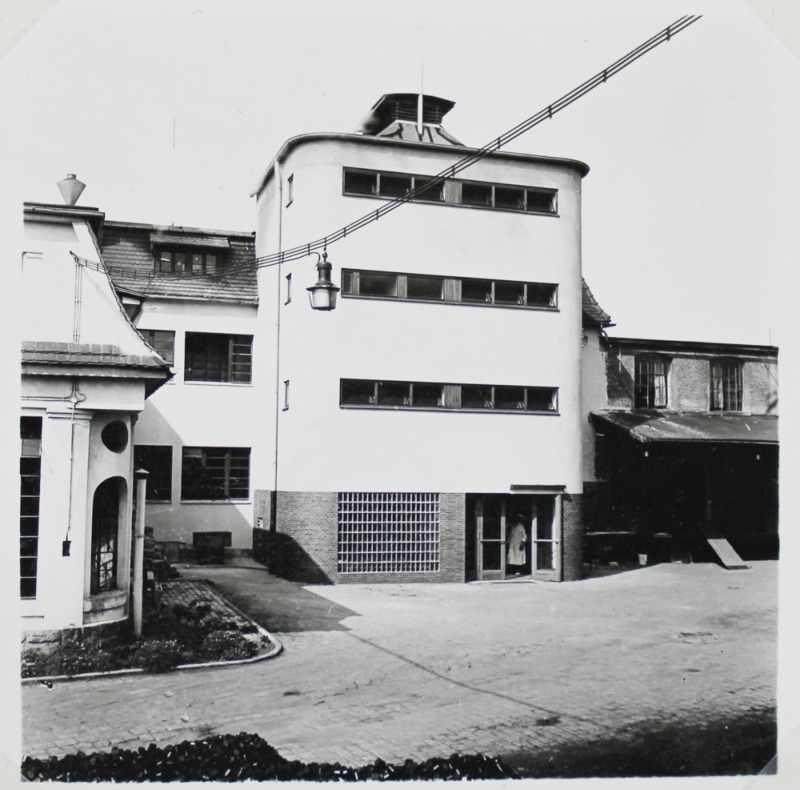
(207, 473)
(452, 191)
(176, 262)
(651, 392)
(469, 290)
(430, 395)
(208, 356)
(30, 464)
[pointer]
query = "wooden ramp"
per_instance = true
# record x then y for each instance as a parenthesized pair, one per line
(719, 544)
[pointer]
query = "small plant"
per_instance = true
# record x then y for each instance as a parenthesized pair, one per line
(227, 646)
(158, 655)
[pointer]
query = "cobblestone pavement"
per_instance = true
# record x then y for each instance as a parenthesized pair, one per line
(427, 670)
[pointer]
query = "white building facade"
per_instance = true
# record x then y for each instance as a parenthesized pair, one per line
(435, 413)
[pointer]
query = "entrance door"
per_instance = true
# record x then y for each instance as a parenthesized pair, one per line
(518, 535)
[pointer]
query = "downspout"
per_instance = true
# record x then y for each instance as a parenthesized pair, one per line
(75, 397)
(279, 184)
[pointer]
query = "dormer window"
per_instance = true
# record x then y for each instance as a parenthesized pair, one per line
(174, 254)
(183, 262)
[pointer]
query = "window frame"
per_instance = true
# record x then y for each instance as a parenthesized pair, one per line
(721, 371)
(206, 269)
(451, 398)
(159, 344)
(162, 474)
(229, 358)
(539, 201)
(216, 454)
(646, 389)
(452, 290)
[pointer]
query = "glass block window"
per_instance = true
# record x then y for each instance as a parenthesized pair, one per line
(388, 533)
(30, 464)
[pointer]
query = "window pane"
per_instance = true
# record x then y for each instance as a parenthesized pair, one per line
(211, 263)
(476, 194)
(509, 398)
(476, 291)
(164, 262)
(544, 557)
(158, 462)
(541, 201)
(394, 186)
(427, 395)
(348, 282)
(360, 183)
(650, 387)
(476, 397)
(509, 197)
(541, 295)
(241, 358)
(541, 399)
(544, 520)
(374, 284)
(357, 393)
(394, 393)
(163, 342)
(214, 473)
(423, 287)
(198, 263)
(179, 262)
(434, 192)
(509, 293)
(492, 523)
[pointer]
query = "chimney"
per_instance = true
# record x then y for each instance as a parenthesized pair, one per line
(71, 189)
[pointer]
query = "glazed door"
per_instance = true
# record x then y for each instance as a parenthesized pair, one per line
(491, 534)
(546, 532)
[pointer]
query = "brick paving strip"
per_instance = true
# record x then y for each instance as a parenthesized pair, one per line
(418, 671)
(186, 592)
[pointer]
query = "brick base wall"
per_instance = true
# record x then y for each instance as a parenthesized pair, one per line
(303, 545)
(572, 536)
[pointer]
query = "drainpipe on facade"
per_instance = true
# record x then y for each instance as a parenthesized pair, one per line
(140, 476)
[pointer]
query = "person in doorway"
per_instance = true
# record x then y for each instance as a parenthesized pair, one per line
(517, 555)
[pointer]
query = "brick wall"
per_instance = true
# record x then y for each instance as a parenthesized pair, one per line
(572, 536)
(303, 546)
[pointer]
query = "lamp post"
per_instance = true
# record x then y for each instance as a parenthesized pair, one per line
(323, 294)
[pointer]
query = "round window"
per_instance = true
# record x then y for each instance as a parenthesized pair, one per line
(115, 436)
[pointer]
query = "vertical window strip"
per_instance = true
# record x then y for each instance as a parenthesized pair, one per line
(30, 485)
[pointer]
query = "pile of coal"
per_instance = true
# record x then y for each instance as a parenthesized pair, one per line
(233, 758)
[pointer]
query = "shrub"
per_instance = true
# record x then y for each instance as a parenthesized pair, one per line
(227, 646)
(158, 655)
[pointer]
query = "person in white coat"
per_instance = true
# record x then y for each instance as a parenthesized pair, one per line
(517, 543)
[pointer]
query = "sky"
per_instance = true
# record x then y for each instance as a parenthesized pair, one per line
(170, 112)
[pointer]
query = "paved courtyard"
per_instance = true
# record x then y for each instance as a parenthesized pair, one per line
(398, 671)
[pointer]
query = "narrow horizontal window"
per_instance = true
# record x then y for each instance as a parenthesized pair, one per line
(451, 191)
(435, 395)
(377, 284)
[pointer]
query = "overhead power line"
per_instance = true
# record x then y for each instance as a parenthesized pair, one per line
(303, 250)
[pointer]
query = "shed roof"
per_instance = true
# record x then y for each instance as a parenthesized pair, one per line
(650, 426)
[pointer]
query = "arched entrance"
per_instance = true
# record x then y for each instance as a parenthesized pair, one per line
(106, 509)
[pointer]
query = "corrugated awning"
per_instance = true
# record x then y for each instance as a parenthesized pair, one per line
(649, 426)
(175, 240)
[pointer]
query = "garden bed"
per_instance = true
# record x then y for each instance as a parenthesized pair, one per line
(192, 626)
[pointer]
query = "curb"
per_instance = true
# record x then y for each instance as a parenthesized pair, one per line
(277, 649)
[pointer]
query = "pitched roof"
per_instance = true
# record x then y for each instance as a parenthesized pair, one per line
(127, 251)
(592, 312)
(47, 353)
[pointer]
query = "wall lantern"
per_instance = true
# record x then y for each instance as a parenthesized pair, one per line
(323, 294)
(71, 189)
